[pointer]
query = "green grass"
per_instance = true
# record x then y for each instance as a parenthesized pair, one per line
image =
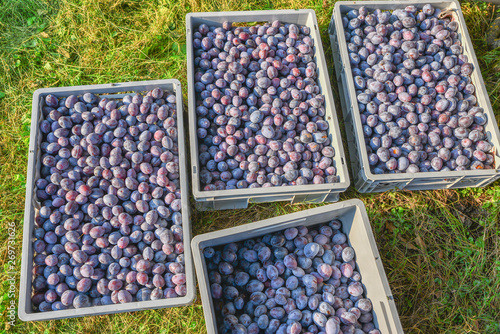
(440, 249)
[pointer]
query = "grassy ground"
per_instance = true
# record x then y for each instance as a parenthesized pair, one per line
(441, 249)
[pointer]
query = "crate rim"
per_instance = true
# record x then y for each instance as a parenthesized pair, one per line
(213, 195)
(27, 237)
(364, 165)
(246, 12)
(276, 224)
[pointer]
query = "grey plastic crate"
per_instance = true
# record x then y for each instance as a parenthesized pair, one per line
(355, 224)
(364, 180)
(239, 198)
(115, 90)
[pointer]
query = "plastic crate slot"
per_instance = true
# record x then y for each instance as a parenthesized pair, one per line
(331, 27)
(331, 197)
(349, 118)
(230, 204)
(403, 185)
(453, 183)
(487, 181)
(386, 316)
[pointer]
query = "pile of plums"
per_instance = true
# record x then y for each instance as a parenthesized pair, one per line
(260, 112)
(109, 226)
(300, 280)
(414, 90)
